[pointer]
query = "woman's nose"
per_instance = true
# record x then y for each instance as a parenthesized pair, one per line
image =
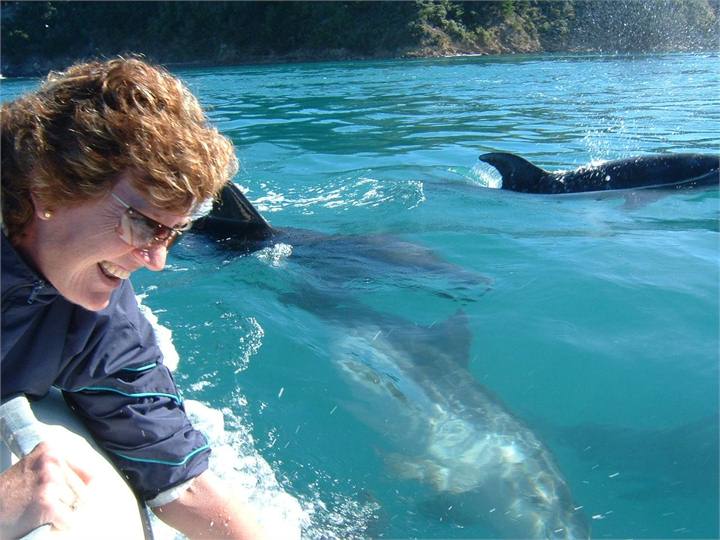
(153, 257)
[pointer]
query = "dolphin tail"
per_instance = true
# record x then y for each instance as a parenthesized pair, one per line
(234, 216)
(518, 174)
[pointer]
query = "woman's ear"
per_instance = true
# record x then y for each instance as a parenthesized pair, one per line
(41, 211)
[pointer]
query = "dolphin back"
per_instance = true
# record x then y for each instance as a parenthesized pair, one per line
(674, 171)
(671, 171)
(233, 216)
(518, 174)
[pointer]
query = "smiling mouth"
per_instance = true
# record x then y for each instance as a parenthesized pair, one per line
(113, 270)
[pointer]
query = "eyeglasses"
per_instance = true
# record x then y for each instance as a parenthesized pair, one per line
(142, 231)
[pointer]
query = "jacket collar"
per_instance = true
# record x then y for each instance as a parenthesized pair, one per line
(18, 276)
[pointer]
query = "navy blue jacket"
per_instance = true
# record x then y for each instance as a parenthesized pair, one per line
(110, 369)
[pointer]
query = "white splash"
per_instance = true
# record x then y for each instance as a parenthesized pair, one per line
(200, 385)
(234, 458)
(485, 175)
(343, 193)
(250, 344)
(274, 255)
(163, 335)
(271, 202)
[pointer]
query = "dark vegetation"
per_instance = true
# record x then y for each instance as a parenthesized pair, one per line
(38, 36)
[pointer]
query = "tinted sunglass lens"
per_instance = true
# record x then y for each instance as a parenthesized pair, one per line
(136, 231)
(143, 232)
(128, 231)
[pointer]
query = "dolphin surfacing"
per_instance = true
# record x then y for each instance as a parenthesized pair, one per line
(671, 171)
(232, 215)
(240, 228)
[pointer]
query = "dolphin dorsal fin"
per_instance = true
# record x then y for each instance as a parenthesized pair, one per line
(518, 174)
(235, 217)
(233, 205)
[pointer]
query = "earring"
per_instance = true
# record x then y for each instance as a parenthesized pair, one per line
(47, 214)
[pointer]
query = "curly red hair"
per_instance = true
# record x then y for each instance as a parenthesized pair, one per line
(69, 141)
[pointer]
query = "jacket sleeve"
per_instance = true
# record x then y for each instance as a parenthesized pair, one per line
(116, 382)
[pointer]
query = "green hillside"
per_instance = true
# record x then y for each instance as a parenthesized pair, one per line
(38, 36)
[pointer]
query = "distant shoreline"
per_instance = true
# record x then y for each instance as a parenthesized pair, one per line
(38, 72)
(37, 37)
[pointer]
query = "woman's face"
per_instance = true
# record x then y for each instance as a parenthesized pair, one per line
(79, 250)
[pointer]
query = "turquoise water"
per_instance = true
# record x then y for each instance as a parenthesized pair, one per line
(593, 320)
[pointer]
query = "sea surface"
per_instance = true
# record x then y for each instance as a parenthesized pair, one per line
(593, 319)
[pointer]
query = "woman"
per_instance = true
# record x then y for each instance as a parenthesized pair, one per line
(102, 169)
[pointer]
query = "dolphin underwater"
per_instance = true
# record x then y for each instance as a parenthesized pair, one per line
(412, 382)
(237, 224)
(671, 171)
(444, 430)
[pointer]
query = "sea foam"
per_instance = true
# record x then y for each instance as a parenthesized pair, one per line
(234, 458)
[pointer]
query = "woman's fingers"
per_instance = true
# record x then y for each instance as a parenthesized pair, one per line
(46, 489)
(80, 472)
(76, 483)
(55, 506)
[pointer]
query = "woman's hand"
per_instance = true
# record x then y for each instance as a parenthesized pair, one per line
(43, 487)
